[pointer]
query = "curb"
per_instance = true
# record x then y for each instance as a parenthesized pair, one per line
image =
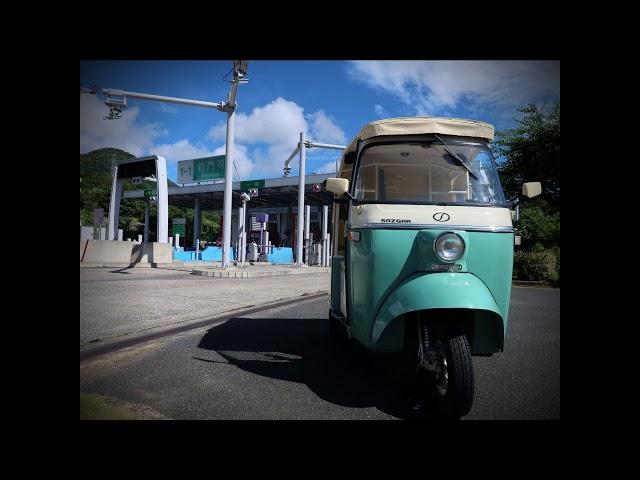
(535, 283)
(126, 265)
(219, 273)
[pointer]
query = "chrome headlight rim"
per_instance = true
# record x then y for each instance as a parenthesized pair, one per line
(462, 251)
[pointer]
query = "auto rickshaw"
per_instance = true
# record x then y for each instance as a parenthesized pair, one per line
(423, 249)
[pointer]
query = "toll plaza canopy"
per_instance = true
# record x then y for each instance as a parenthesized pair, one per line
(272, 192)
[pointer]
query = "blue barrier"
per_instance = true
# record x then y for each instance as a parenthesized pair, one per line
(184, 256)
(211, 254)
(281, 255)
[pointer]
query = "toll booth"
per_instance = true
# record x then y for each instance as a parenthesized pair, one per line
(276, 198)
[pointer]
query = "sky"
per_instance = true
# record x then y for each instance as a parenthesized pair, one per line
(329, 100)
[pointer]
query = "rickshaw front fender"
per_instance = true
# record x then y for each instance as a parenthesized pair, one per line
(427, 291)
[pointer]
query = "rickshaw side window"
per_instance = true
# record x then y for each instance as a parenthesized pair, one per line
(426, 173)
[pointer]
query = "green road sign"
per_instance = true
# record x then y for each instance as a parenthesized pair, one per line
(178, 228)
(251, 184)
(208, 168)
(150, 193)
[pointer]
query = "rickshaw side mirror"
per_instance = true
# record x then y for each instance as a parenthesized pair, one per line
(339, 186)
(531, 189)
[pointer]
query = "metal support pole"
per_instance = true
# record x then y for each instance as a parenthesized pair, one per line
(240, 232)
(325, 218)
(307, 239)
(301, 183)
(197, 220)
(146, 222)
(161, 98)
(177, 239)
(287, 169)
(228, 185)
(244, 231)
(197, 248)
(114, 205)
(162, 201)
(310, 144)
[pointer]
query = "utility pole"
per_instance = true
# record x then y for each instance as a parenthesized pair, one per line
(303, 145)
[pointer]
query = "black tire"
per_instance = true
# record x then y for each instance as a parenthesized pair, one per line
(458, 399)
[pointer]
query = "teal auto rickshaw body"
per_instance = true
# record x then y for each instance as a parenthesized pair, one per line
(385, 266)
(384, 288)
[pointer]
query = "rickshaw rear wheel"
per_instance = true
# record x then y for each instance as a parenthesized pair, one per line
(450, 381)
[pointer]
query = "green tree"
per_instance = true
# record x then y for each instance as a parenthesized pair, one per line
(532, 153)
(538, 227)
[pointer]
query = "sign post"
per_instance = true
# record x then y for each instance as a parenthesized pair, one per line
(98, 218)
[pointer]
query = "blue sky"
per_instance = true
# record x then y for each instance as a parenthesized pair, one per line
(330, 100)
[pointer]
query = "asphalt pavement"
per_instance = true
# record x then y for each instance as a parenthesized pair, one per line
(115, 302)
(281, 364)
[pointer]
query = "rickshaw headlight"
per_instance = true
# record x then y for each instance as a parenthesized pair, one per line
(449, 247)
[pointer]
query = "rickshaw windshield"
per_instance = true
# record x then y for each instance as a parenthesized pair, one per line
(423, 172)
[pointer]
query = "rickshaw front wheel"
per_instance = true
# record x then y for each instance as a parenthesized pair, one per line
(450, 374)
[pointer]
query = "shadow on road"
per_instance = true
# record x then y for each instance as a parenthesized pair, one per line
(300, 350)
(122, 270)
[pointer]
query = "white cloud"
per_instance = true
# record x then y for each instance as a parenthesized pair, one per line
(168, 108)
(323, 129)
(431, 86)
(264, 138)
(276, 123)
(181, 150)
(241, 160)
(380, 111)
(270, 133)
(124, 133)
(329, 167)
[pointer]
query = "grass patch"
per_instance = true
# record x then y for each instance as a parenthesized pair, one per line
(97, 407)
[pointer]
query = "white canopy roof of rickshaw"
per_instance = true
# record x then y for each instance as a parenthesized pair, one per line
(423, 125)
